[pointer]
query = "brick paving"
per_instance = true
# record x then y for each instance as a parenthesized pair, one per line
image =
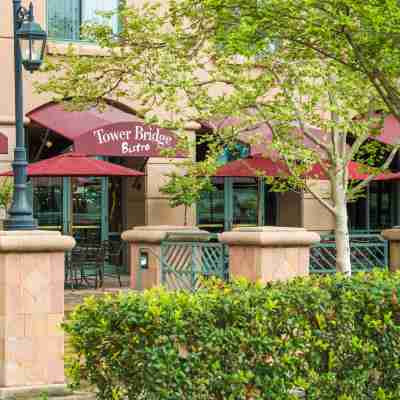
(74, 297)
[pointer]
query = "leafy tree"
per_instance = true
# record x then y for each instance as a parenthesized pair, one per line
(281, 64)
(185, 190)
(360, 35)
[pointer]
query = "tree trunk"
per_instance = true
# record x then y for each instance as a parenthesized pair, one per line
(342, 238)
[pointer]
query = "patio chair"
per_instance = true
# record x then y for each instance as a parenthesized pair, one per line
(92, 265)
(85, 264)
(73, 261)
(113, 259)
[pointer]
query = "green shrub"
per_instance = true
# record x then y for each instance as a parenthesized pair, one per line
(6, 192)
(333, 337)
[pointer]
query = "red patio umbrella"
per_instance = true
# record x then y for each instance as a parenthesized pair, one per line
(248, 167)
(75, 164)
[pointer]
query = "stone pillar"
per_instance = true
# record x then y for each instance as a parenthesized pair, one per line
(267, 254)
(147, 239)
(31, 308)
(393, 236)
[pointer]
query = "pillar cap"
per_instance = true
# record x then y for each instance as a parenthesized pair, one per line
(35, 242)
(392, 234)
(156, 233)
(270, 236)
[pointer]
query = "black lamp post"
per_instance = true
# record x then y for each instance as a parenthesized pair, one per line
(29, 46)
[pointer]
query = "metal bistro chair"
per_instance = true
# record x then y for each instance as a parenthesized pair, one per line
(85, 263)
(73, 267)
(113, 256)
(92, 267)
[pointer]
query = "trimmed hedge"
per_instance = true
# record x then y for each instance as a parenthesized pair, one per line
(333, 337)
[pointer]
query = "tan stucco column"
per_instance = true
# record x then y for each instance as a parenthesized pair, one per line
(393, 236)
(31, 309)
(269, 253)
(147, 239)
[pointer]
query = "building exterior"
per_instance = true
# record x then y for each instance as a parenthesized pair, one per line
(107, 206)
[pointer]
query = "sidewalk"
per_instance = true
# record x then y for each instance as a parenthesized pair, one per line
(74, 297)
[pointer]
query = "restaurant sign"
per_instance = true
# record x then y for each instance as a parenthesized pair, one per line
(126, 139)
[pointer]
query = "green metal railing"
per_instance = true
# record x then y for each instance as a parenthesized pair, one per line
(186, 262)
(187, 259)
(367, 251)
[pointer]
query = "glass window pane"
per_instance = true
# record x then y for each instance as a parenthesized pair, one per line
(245, 201)
(270, 206)
(48, 202)
(91, 7)
(357, 214)
(86, 208)
(63, 19)
(380, 203)
(115, 204)
(210, 208)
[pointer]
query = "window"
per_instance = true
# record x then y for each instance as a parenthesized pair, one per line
(211, 208)
(48, 202)
(245, 201)
(65, 17)
(375, 211)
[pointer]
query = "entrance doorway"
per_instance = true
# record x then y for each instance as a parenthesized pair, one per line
(48, 204)
(87, 208)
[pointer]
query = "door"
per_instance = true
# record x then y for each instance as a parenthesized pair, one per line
(87, 219)
(76, 206)
(48, 207)
(245, 202)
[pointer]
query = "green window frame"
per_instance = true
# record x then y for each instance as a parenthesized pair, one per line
(377, 209)
(65, 17)
(225, 207)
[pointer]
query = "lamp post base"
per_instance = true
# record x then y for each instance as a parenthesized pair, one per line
(20, 224)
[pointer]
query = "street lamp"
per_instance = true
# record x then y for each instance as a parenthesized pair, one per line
(32, 40)
(29, 46)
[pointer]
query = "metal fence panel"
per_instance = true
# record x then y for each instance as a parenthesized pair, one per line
(185, 264)
(367, 251)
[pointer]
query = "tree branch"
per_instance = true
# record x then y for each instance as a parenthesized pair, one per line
(323, 202)
(299, 118)
(370, 75)
(385, 166)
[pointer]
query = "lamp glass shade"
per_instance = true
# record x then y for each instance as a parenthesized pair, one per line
(32, 43)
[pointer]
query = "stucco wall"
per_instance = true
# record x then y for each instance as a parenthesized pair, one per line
(315, 216)
(157, 206)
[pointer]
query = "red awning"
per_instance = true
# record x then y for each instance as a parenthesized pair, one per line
(249, 167)
(253, 166)
(3, 143)
(74, 164)
(259, 136)
(390, 133)
(113, 132)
